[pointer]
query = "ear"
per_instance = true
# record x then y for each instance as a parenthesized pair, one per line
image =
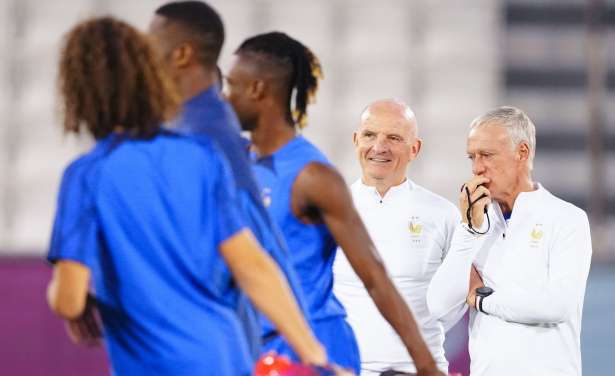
(256, 89)
(523, 152)
(355, 138)
(416, 147)
(183, 55)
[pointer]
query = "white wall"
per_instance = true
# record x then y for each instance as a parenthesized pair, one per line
(438, 56)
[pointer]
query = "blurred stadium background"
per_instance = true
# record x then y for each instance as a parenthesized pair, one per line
(450, 60)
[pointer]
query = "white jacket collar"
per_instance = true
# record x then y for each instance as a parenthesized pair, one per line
(393, 192)
(524, 201)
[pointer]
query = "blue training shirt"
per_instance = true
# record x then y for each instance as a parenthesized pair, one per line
(312, 246)
(209, 114)
(126, 210)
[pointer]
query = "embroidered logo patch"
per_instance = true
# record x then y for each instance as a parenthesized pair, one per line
(536, 235)
(415, 227)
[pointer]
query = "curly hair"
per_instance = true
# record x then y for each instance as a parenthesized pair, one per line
(111, 79)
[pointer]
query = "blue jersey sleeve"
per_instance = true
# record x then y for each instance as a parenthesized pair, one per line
(75, 230)
(229, 220)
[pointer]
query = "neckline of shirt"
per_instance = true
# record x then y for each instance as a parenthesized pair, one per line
(523, 200)
(205, 95)
(284, 149)
(392, 192)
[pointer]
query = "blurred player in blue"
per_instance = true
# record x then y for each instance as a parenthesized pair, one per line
(271, 82)
(148, 216)
(190, 35)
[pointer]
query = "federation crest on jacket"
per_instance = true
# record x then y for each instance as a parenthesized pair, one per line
(536, 235)
(415, 227)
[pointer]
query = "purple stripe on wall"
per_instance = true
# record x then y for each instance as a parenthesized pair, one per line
(32, 339)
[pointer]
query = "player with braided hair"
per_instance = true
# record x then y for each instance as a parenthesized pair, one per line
(272, 80)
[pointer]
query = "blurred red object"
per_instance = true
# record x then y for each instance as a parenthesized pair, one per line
(272, 364)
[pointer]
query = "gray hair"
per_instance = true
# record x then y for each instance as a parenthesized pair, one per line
(518, 125)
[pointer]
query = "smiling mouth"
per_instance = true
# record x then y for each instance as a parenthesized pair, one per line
(379, 160)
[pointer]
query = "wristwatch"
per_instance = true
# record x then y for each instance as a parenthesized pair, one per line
(482, 293)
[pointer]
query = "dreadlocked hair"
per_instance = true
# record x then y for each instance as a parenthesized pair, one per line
(302, 65)
(110, 78)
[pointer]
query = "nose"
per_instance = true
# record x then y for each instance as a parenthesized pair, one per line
(478, 167)
(380, 145)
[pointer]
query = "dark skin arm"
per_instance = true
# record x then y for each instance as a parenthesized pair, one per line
(320, 195)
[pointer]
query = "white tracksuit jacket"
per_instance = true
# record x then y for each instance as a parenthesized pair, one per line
(537, 262)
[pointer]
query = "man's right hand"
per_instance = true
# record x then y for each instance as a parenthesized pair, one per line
(476, 189)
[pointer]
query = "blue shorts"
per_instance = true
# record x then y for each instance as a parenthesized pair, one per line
(335, 335)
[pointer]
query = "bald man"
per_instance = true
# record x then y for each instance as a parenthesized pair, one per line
(412, 229)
